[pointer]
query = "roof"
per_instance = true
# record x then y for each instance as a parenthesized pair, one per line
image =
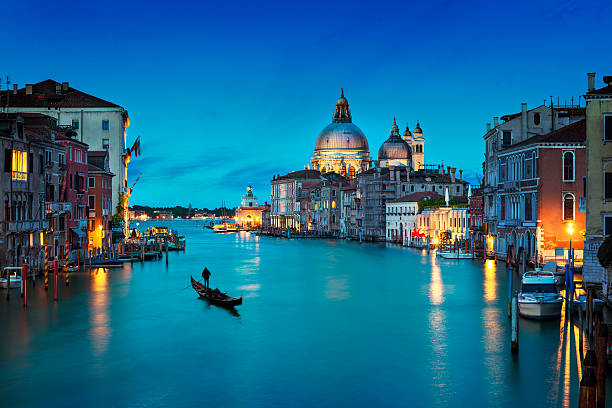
(606, 90)
(416, 197)
(44, 94)
(92, 168)
(301, 174)
(572, 133)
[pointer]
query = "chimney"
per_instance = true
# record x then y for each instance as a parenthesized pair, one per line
(15, 89)
(591, 76)
(488, 127)
(523, 121)
(448, 170)
(495, 121)
(461, 175)
(452, 174)
(64, 86)
(28, 89)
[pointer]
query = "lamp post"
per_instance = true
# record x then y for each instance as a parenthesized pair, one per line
(570, 231)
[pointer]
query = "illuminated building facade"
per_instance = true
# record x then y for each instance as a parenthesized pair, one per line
(286, 193)
(341, 147)
(99, 199)
(249, 214)
(395, 151)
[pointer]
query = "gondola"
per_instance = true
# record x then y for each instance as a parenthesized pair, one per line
(217, 298)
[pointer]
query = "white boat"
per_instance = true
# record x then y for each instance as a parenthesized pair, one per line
(454, 254)
(15, 281)
(539, 297)
(579, 300)
(551, 266)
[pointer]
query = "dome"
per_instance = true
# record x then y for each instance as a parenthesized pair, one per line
(341, 135)
(418, 130)
(394, 147)
(407, 133)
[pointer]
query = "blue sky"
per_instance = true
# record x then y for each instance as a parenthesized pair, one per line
(223, 93)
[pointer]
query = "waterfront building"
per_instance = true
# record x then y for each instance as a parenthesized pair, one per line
(395, 151)
(341, 146)
(286, 197)
(249, 214)
(599, 179)
(476, 212)
(433, 222)
(514, 129)
(100, 124)
(401, 216)
(99, 199)
(350, 214)
(417, 146)
(74, 189)
(326, 198)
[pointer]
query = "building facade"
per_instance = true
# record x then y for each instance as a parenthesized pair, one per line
(99, 200)
(285, 199)
(433, 222)
(599, 179)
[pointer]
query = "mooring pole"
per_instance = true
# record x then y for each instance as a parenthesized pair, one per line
(166, 250)
(25, 283)
(601, 347)
(514, 345)
(588, 385)
(55, 279)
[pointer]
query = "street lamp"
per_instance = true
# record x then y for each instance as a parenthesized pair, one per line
(570, 231)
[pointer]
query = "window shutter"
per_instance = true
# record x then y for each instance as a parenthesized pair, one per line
(608, 127)
(608, 186)
(8, 160)
(31, 162)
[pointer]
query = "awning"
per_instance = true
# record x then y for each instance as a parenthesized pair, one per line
(417, 234)
(79, 232)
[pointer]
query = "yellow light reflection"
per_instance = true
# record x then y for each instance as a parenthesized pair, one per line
(436, 287)
(490, 284)
(99, 333)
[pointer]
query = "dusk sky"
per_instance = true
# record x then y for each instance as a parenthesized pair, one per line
(224, 93)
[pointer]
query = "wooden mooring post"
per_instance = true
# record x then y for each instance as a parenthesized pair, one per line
(24, 279)
(8, 284)
(588, 384)
(514, 341)
(510, 273)
(166, 251)
(55, 279)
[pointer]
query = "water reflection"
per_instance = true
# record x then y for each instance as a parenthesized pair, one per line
(490, 283)
(337, 287)
(436, 287)
(99, 332)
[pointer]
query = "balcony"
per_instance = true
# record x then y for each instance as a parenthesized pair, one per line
(58, 207)
(27, 226)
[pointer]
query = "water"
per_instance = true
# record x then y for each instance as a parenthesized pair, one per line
(327, 323)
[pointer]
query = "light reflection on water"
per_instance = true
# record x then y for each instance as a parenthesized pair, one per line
(100, 331)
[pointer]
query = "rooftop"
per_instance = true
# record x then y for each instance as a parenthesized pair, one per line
(573, 133)
(416, 197)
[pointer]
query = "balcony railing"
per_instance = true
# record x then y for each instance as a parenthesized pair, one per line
(58, 207)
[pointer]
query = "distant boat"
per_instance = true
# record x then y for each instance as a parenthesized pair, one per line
(15, 281)
(454, 254)
(215, 296)
(539, 297)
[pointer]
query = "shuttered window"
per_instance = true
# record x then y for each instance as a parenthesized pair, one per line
(8, 160)
(608, 186)
(608, 127)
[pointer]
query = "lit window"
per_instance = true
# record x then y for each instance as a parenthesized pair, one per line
(19, 165)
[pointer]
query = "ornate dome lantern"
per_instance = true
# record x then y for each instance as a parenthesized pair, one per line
(394, 151)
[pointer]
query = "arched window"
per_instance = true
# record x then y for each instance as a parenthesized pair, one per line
(343, 171)
(568, 166)
(351, 172)
(568, 207)
(387, 164)
(536, 118)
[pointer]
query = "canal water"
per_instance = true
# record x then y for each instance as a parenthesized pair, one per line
(324, 323)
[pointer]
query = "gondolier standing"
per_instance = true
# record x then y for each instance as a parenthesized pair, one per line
(206, 275)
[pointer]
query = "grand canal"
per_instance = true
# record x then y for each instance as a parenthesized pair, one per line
(324, 323)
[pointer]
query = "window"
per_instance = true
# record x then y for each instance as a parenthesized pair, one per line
(92, 202)
(411, 188)
(502, 208)
(568, 207)
(457, 189)
(19, 167)
(78, 156)
(607, 185)
(536, 118)
(506, 138)
(568, 166)
(528, 169)
(48, 157)
(105, 124)
(528, 207)
(75, 124)
(105, 144)
(608, 225)
(61, 159)
(42, 163)
(607, 127)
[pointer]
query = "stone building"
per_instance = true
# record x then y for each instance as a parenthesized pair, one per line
(286, 198)
(417, 146)
(327, 200)
(99, 199)
(249, 214)
(100, 124)
(599, 179)
(341, 146)
(401, 216)
(394, 151)
(433, 222)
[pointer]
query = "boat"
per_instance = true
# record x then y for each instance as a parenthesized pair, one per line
(454, 254)
(551, 266)
(579, 300)
(15, 281)
(539, 297)
(73, 268)
(215, 296)
(106, 263)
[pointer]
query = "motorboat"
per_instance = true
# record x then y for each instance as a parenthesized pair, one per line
(539, 297)
(460, 254)
(559, 273)
(15, 281)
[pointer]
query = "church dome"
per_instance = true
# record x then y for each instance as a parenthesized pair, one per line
(407, 134)
(418, 130)
(394, 148)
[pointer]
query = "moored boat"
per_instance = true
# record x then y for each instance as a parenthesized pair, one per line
(454, 254)
(579, 300)
(215, 296)
(15, 281)
(539, 297)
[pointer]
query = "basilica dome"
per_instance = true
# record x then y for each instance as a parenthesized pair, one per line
(342, 135)
(394, 148)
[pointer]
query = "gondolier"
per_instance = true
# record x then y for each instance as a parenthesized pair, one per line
(206, 275)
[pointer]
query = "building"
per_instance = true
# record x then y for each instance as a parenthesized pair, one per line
(74, 189)
(514, 129)
(417, 146)
(286, 197)
(341, 146)
(326, 204)
(249, 214)
(401, 216)
(599, 179)
(434, 222)
(98, 123)
(476, 212)
(394, 151)
(99, 199)
(350, 214)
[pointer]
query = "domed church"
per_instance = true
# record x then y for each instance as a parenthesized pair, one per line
(395, 151)
(417, 144)
(341, 146)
